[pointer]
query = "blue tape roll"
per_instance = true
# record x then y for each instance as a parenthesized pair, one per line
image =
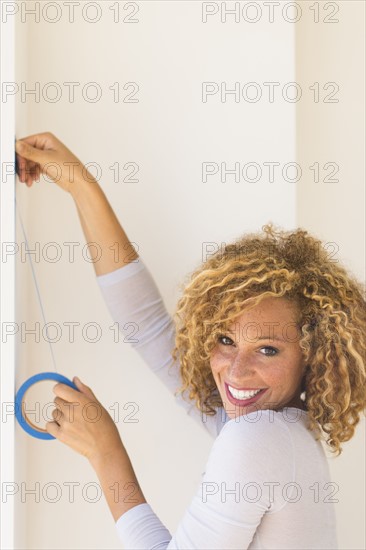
(28, 427)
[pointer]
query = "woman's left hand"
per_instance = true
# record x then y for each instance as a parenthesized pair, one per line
(82, 423)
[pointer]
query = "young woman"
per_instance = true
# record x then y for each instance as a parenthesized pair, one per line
(269, 342)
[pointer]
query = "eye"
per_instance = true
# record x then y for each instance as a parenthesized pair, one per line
(272, 349)
(221, 339)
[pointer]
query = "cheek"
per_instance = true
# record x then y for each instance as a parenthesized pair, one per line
(296, 364)
(218, 361)
(282, 374)
(275, 376)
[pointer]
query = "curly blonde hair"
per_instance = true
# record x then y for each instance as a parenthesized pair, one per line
(294, 265)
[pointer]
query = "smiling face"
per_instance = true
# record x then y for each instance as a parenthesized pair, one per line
(261, 352)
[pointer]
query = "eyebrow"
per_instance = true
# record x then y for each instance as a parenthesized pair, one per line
(263, 337)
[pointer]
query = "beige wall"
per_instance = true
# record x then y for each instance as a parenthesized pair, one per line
(169, 213)
(335, 132)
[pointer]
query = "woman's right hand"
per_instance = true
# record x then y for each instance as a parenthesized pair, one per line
(45, 154)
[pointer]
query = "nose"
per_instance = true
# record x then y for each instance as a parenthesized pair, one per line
(242, 367)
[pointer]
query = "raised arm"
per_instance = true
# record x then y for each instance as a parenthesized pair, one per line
(136, 304)
(45, 154)
(100, 225)
(127, 286)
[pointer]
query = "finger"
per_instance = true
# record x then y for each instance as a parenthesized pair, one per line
(32, 171)
(26, 171)
(21, 167)
(29, 152)
(84, 388)
(29, 174)
(60, 402)
(40, 141)
(67, 408)
(57, 416)
(66, 393)
(17, 164)
(53, 428)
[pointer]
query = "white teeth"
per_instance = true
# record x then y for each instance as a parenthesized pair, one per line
(242, 394)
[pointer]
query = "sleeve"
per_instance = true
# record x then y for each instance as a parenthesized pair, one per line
(135, 303)
(237, 489)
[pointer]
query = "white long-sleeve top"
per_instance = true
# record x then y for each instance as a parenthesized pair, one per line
(266, 483)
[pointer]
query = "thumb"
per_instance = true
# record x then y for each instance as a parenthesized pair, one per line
(83, 388)
(28, 152)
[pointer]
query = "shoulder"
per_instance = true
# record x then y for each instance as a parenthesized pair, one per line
(249, 441)
(257, 425)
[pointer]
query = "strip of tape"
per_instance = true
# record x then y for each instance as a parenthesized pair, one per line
(23, 420)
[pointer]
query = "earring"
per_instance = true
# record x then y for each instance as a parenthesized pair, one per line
(303, 388)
